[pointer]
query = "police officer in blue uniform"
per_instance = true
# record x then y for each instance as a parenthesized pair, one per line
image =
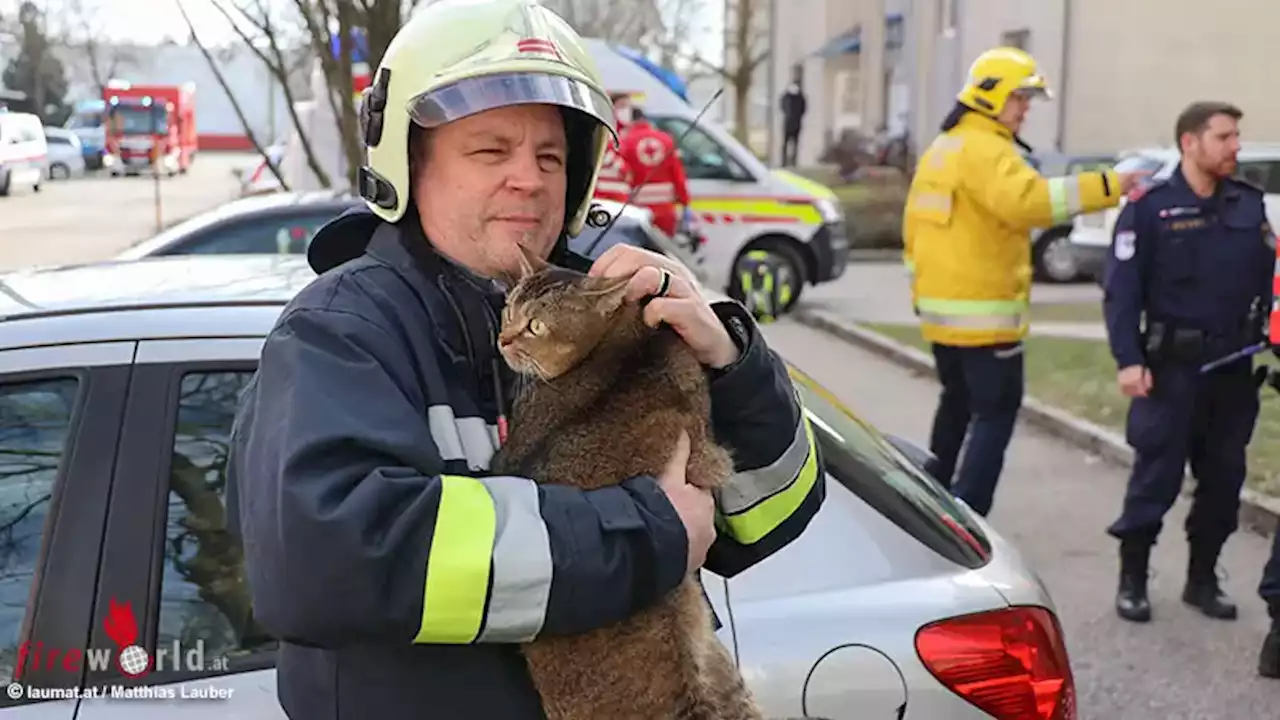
(1186, 283)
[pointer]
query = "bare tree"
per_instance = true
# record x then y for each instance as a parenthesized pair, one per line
(636, 23)
(235, 104)
(746, 49)
(81, 32)
(301, 34)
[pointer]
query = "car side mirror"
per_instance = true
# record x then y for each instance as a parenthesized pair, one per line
(918, 456)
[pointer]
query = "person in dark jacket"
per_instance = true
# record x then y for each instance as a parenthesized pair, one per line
(793, 105)
(398, 574)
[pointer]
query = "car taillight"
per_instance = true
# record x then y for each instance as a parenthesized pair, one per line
(1011, 663)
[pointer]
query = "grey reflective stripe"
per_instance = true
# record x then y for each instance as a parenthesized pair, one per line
(522, 567)
(748, 488)
(1064, 198)
(973, 322)
(469, 438)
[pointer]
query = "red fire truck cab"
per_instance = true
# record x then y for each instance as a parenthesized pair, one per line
(150, 127)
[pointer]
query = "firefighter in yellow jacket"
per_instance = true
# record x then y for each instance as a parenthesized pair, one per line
(973, 203)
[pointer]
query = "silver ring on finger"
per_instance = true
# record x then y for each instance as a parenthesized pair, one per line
(665, 284)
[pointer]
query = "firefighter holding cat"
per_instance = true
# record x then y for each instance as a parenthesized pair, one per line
(398, 574)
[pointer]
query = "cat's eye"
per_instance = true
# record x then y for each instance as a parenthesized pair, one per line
(537, 327)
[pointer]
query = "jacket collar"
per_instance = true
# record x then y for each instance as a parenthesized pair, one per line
(977, 121)
(974, 120)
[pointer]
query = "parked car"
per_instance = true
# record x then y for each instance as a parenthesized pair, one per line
(66, 155)
(1259, 163)
(1052, 257)
(284, 223)
(24, 155)
(118, 387)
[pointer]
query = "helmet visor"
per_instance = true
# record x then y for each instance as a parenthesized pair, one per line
(1035, 87)
(476, 95)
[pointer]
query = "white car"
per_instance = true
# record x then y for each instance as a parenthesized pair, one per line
(1091, 233)
(118, 389)
(66, 153)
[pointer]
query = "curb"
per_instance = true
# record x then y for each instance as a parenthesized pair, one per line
(1257, 512)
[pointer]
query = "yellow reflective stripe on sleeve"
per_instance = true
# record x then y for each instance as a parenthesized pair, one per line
(1064, 198)
(754, 523)
(458, 564)
(484, 523)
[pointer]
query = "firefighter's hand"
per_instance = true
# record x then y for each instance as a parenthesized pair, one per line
(679, 305)
(1129, 180)
(1134, 381)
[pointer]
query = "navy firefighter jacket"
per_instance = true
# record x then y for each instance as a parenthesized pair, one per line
(397, 574)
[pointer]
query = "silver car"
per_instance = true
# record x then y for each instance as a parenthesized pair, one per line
(118, 388)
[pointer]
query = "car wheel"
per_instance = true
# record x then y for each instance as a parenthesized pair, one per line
(1053, 257)
(791, 269)
(58, 171)
(4, 185)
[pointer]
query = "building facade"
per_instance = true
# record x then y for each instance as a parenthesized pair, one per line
(1121, 71)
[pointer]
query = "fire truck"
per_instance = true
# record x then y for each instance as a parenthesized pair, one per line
(150, 127)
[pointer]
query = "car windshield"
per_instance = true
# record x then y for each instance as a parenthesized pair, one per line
(140, 120)
(86, 120)
(865, 462)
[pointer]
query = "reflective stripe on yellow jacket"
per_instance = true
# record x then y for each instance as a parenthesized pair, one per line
(966, 230)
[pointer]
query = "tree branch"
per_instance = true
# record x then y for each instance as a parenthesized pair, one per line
(278, 67)
(235, 104)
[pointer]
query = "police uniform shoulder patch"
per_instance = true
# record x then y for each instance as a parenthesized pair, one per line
(1126, 244)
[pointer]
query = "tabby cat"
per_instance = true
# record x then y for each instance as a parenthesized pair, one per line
(603, 398)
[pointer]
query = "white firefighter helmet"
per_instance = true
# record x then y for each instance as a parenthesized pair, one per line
(456, 58)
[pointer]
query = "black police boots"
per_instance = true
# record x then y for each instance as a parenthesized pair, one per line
(1131, 599)
(1269, 658)
(1202, 591)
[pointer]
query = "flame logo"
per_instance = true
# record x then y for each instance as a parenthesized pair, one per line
(122, 628)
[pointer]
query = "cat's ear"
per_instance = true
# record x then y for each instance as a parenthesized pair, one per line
(609, 294)
(530, 263)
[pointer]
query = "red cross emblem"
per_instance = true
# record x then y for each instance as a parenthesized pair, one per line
(650, 151)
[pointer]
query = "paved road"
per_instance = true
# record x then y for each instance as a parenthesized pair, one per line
(878, 292)
(1055, 502)
(94, 218)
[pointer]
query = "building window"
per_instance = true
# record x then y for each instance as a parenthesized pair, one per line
(894, 33)
(949, 15)
(1020, 39)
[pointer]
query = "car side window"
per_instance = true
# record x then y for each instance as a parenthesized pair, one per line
(35, 422)
(271, 235)
(1263, 173)
(203, 594)
(704, 158)
(1258, 173)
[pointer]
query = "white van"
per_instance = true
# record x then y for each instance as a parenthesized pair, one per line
(740, 202)
(24, 156)
(1259, 163)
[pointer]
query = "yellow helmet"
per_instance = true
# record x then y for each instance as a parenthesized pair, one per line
(456, 58)
(997, 74)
